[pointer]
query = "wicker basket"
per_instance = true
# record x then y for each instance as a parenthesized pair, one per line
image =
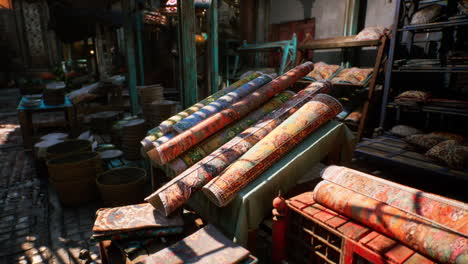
(158, 111)
(77, 166)
(122, 186)
(102, 122)
(67, 148)
(78, 192)
(150, 93)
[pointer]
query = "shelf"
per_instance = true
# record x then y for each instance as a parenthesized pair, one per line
(433, 69)
(430, 109)
(392, 151)
(435, 25)
(339, 42)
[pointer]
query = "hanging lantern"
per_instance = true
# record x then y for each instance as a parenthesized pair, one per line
(171, 6)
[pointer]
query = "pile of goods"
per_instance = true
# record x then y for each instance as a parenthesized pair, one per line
(224, 142)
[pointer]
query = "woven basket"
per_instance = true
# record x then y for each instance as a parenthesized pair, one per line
(158, 111)
(67, 148)
(77, 166)
(122, 186)
(150, 93)
(102, 122)
(78, 192)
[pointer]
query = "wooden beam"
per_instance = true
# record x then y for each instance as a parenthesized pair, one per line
(130, 50)
(213, 47)
(187, 53)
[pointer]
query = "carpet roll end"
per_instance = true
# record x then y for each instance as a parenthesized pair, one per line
(155, 200)
(153, 154)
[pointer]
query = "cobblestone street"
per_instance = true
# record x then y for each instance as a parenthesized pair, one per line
(34, 228)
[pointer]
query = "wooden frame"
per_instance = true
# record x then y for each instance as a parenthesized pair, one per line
(349, 42)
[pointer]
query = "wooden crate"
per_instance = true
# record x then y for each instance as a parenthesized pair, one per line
(316, 234)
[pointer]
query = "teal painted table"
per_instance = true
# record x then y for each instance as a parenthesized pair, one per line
(26, 122)
(254, 203)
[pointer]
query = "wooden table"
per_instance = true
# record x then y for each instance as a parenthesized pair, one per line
(26, 122)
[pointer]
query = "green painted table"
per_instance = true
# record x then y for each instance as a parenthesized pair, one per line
(25, 118)
(252, 204)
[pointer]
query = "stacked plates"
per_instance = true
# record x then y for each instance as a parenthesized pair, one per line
(132, 133)
(158, 111)
(150, 93)
(32, 103)
(32, 100)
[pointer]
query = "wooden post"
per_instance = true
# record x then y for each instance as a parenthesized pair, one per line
(130, 49)
(280, 210)
(187, 52)
(139, 25)
(213, 47)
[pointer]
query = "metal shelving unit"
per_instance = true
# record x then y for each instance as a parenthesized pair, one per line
(402, 42)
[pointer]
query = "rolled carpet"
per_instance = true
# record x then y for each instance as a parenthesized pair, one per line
(193, 155)
(189, 138)
(439, 210)
(319, 110)
(221, 103)
(166, 126)
(176, 192)
(429, 239)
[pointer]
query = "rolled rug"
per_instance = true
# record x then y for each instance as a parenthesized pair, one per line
(319, 110)
(189, 138)
(432, 240)
(441, 210)
(176, 192)
(166, 126)
(193, 155)
(221, 103)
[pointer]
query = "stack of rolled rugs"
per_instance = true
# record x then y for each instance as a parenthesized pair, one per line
(435, 226)
(228, 149)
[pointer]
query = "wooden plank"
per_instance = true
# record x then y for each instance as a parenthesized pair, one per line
(399, 253)
(302, 200)
(337, 221)
(353, 230)
(187, 55)
(369, 237)
(418, 259)
(325, 215)
(130, 49)
(213, 46)
(339, 42)
(370, 95)
(311, 210)
(381, 244)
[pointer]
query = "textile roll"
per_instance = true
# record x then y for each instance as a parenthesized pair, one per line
(176, 192)
(449, 213)
(184, 141)
(319, 110)
(166, 125)
(429, 239)
(209, 145)
(220, 104)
